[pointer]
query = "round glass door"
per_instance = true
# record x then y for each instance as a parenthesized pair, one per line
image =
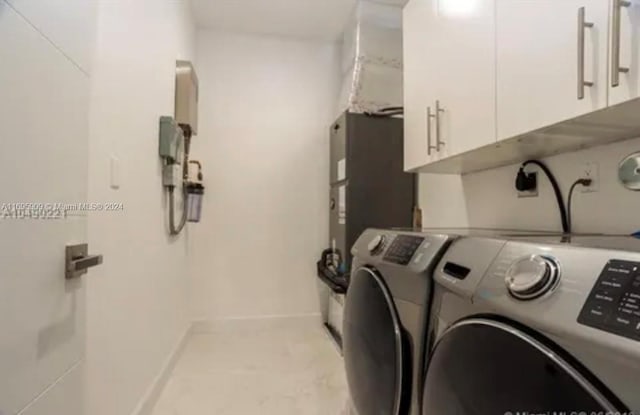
(372, 345)
(484, 367)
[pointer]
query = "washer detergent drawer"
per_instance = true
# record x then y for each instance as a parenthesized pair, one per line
(373, 346)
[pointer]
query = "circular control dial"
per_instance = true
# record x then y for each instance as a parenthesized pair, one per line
(376, 245)
(532, 277)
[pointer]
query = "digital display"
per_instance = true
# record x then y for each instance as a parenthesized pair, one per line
(403, 248)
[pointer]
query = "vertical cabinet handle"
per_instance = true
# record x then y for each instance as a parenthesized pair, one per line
(616, 69)
(439, 110)
(430, 147)
(582, 25)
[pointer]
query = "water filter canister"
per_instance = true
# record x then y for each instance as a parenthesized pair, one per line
(195, 193)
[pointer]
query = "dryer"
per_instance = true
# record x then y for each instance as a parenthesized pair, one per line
(385, 316)
(535, 325)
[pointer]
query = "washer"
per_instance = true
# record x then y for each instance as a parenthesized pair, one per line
(385, 316)
(535, 325)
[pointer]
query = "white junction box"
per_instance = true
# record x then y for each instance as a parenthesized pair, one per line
(171, 140)
(172, 175)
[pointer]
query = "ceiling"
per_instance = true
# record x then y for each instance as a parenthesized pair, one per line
(315, 19)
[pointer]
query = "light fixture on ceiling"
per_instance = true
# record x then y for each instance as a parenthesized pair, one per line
(458, 8)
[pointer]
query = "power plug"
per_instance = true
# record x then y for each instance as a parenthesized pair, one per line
(526, 182)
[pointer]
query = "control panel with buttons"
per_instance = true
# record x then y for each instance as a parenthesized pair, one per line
(403, 248)
(614, 302)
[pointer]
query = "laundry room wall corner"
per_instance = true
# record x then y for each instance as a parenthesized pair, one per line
(270, 102)
(443, 201)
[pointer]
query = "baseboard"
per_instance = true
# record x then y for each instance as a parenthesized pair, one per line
(258, 323)
(148, 401)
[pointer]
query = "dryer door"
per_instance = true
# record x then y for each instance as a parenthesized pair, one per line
(373, 345)
(482, 367)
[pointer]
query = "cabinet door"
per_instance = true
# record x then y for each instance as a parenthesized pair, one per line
(538, 65)
(466, 75)
(625, 51)
(420, 81)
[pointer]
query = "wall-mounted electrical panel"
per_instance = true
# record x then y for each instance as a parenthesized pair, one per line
(179, 174)
(186, 113)
(171, 140)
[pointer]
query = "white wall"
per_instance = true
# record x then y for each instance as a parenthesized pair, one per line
(266, 104)
(137, 305)
(488, 198)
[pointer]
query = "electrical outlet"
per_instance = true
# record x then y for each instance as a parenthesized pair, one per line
(591, 170)
(530, 193)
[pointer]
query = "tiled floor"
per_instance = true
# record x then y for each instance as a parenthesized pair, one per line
(279, 371)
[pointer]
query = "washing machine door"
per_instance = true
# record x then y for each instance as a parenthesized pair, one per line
(485, 367)
(372, 345)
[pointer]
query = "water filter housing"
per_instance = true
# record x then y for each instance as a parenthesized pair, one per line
(195, 193)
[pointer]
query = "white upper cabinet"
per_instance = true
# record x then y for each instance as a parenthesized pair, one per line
(467, 75)
(552, 62)
(449, 83)
(506, 80)
(420, 83)
(624, 70)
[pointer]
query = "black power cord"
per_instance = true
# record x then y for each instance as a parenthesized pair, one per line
(583, 182)
(386, 112)
(522, 177)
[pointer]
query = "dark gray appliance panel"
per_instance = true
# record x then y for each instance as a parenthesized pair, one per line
(381, 194)
(339, 149)
(337, 224)
(368, 154)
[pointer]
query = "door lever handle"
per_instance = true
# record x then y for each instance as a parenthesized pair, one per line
(78, 260)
